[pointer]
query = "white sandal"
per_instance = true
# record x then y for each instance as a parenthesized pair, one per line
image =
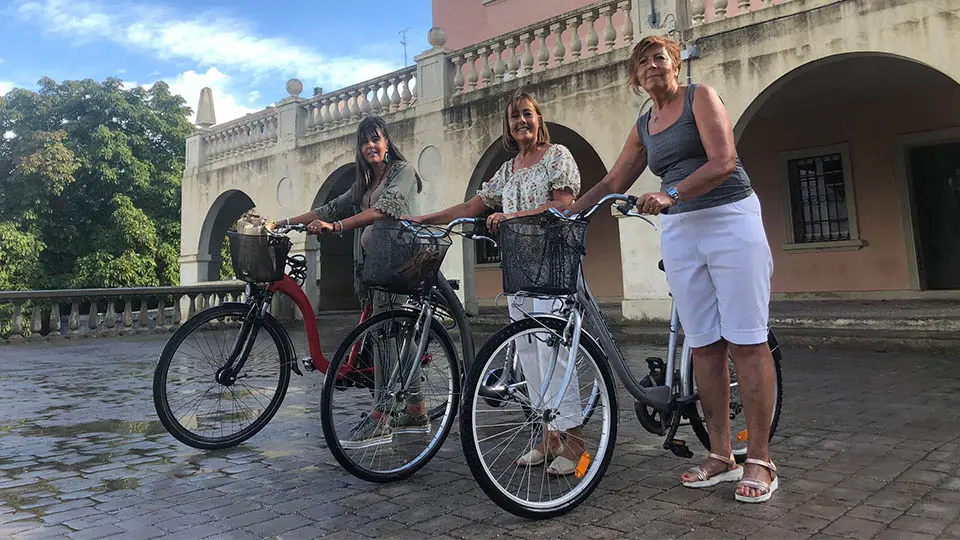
(562, 466)
(766, 490)
(705, 480)
(535, 457)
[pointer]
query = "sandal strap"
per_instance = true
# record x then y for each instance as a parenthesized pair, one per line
(701, 473)
(731, 461)
(765, 464)
(756, 484)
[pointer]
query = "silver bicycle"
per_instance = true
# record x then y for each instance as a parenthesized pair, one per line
(504, 417)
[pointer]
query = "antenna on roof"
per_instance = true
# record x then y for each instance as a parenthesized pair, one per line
(403, 42)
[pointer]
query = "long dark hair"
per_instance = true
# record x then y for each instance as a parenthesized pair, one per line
(370, 126)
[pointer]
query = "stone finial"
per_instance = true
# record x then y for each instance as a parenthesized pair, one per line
(206, 117)
(294, 87)
(437, 37)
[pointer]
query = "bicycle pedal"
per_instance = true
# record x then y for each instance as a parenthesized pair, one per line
(308, 364)
(680, 449)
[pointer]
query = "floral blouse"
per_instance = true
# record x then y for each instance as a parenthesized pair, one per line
(530, 187)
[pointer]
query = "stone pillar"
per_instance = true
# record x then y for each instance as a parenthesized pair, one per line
(197, 268)
(435, 73)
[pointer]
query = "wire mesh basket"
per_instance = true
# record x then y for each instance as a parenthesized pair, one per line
(258, 259)
(399, 261)
(541, 254)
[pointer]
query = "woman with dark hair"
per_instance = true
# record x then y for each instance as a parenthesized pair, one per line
(385, 188)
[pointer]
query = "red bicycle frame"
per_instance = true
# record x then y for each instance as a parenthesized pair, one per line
(289, 288)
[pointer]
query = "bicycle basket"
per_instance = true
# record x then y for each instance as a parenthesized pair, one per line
(258, 259)
(541, 254)
(397, 260)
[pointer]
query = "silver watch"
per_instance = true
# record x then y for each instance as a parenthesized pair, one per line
(674, 194)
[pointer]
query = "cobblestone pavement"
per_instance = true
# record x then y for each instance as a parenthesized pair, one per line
(869, 447)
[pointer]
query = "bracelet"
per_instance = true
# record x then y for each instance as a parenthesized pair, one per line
(288, 222)
(339, 232)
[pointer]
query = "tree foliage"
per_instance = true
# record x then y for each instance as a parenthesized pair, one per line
(90, 185)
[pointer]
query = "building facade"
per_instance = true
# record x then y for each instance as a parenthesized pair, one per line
(846, 115)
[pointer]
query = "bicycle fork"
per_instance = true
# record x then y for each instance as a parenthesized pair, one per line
(249, 328)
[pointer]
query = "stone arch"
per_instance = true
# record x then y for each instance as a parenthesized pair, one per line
(222, 214)
(872, 115)
(603, 265)
(335, 256)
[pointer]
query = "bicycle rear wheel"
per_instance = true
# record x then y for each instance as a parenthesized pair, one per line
(206, 414)
(371, 430)
(739, 436)
(499, 422)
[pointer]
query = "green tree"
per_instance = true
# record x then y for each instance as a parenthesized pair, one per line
(90, 185)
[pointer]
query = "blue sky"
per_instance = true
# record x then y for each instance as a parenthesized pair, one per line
(244, 50)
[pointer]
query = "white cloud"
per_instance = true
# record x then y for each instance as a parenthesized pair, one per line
(208, 39)
(6, 86)
(188, 85)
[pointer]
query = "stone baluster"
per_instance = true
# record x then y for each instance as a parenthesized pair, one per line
(486, 74)
(326, 109)
(54, 321)
(559, 51)
(337, 114)
(575, 44)
(177, 310)
(161, 314)
(375, 98)
(609, 32)
(110, 317)
(543, 54)
(192, 309)
(499, 67)
(458, 78)
(527, 58)
(384, 96)
(366, 107)
(744, 6)
(36, 322)
(74, 320)
(593, 40)
(406, 97)
(93, 318)
(720, 8)
(767, 3)
(127, 316)
(16, 327)
(354, 105)
(395, 94)
(513, 61)
(698, 11)
(144, 316)
(627, 29)
(472, 75)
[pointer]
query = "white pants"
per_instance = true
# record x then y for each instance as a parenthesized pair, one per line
(718, 266)
(535, 358)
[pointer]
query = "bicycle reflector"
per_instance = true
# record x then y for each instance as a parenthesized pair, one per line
(743, 436)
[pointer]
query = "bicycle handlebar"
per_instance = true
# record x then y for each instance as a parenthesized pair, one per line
(629, 203)
(422, 232)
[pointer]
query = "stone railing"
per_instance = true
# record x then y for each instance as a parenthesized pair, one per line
(380, 96)
(707, 11)
(252, 132)
(82, 313)
(582, 33)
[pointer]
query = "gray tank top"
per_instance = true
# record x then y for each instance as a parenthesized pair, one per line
(676, 152)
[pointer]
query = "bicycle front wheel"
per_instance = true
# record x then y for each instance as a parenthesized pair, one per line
(503, 420)
(202, 412)
(377, 426)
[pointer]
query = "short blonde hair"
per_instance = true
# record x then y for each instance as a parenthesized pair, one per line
(543, 135)
(671, 47)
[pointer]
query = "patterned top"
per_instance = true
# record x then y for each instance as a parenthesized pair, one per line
(530, 187)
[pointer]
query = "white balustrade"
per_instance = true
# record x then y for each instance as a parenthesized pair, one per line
(252, 132)
(104, 312)
(722, 9)
(542, 46)
(381, 96)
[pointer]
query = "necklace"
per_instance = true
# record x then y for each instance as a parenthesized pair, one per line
(655, 112)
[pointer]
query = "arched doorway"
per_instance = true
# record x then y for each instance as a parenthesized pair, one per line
(856, 160)
(603, 264)
(221, 216)
(336, 254)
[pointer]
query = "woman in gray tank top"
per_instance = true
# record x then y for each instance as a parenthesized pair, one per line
(715, 253)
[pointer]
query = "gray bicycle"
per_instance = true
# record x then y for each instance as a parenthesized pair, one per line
(503, 417)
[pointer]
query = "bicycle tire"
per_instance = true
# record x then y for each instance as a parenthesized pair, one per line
(330, 387)
(468, 431)
(162, 403)
(696, 422)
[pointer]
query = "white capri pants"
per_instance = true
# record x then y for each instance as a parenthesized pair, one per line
(718, 265)
(535, 357)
